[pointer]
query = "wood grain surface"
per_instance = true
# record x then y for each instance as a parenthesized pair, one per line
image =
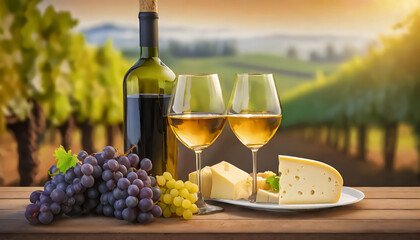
(385, 213)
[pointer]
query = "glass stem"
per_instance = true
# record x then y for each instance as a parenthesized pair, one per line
(200, 200)
(253, 196)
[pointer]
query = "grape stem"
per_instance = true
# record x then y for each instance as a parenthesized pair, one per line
(129, 150)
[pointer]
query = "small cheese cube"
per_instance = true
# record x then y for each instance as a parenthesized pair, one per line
(206, 180)
(230, 182)
(264, 196)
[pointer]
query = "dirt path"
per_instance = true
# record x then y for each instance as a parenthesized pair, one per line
(355, 172)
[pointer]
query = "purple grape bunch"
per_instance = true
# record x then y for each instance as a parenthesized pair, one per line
(104, 183)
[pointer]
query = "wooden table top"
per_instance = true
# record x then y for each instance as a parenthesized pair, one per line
(385, 213)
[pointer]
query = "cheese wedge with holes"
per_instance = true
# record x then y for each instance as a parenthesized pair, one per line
(230, 182)
(206, 180)
(264, 196)
(308, 181)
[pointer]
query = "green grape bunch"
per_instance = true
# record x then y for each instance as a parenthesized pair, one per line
(178, 198)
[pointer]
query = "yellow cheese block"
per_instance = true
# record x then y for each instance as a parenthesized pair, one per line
(206, 180)
(308, 181)
(230, 182)
(264, 196)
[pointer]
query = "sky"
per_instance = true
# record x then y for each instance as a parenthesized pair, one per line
(338, 17)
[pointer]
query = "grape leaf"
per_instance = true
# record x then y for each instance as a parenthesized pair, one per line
(273, 181)
(64, 159)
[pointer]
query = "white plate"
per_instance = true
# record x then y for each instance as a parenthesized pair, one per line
(348, 196)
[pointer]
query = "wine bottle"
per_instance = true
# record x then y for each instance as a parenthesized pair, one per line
(147, 88)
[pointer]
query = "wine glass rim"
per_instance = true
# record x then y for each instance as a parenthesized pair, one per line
(197, 74)
(254, 74)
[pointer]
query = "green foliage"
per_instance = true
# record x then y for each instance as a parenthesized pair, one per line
(97, 82)
(15, 50)
(274, 182)
(34, 49)
(381, 88)
(112, 67)
(42, 60)
(64, 159)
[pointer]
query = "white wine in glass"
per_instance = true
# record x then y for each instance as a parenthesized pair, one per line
(197, 131)
(197, 115)
(254, 130)
(254, 114)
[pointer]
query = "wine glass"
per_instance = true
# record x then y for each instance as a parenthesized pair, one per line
(254, 114)
(197, 115)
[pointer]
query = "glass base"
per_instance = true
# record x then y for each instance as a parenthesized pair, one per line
(252, 198)
(204, 208)
(209, 209)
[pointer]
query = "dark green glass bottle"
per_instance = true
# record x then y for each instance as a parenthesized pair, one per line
(147, 88)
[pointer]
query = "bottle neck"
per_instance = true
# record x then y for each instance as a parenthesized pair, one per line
(149, 41)
(149, 52)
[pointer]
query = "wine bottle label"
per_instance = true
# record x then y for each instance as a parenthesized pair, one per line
(149, 29)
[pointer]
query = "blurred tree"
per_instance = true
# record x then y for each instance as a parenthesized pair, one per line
(229, 48)
(86, 106)
(111, 67)
(66, 132)
(314, 56)
(177, 49)
(205, 49)
(330, 53)
(292, 52)
(348, 52)
(202, 48)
